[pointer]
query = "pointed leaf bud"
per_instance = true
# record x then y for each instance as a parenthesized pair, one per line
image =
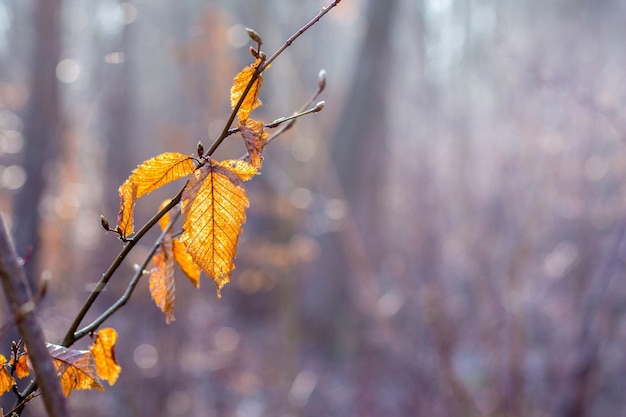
(321, 79)
(319, 106)
(200, 149)
(254, 36)
(105, 223)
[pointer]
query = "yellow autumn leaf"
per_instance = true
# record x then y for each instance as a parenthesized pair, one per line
(103, 351)
(147, 177)
(165, 220)
(21, 367)
(243, 169)
(162, 286)
(76, 368)
(254, 138)
(184, 260)
(6, 380)
(128, 196)
(214, 203)
(241, 81)
(186, 263)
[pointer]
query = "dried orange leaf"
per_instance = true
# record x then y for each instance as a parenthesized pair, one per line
(6, 380)
(128, 196)
(21, 367)
(147, 177)
(162, 278)
(241, 81)
(242, 168)
(103, 350)
(214, 203)
(186, 263)
(254, 138)
(76, 368)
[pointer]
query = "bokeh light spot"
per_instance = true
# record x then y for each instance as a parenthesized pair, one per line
(114, 58)
(128, 13)
(226, 339)
(11, 141)
(335, 209)
(237, 36)
(303, 149)
(145, 356)
(12, 177)
(68, 71)
(301, 198)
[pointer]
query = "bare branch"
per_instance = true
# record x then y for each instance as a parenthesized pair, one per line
(23, 308)
(131, 286)
(70, 338)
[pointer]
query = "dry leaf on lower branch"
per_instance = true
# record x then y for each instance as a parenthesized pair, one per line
(162, 286)
(103, 351)
(6, 380)
(76, 368)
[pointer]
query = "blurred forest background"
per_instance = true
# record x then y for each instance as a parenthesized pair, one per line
(445, 239)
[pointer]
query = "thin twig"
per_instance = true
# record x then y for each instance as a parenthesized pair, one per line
(14, 283)
(281, 120)
(72, 335)
(20, 405)
(321, 85)
(255, 75)
(296, 35)
(262, 67)
(131, 286)
(69, 338)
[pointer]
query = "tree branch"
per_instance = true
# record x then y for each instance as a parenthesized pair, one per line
(70, 338)
(262, 67)
(23, 309)
(131, 286)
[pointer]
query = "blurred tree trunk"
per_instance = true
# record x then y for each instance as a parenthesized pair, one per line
(360, 138)
(118, 117)
(358, 150)
(42, 129)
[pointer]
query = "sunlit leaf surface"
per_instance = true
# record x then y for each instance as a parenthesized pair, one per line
(240, 83)
(214, 203)
(76, 368)
(254, 138)
(6, 380)
(147, 177)
(103, 350)
(186, 263)
(162, 286)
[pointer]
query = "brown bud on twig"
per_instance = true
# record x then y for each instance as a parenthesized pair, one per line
(43, 288)
(105, 223)
(255, 37)
(200, 149)
(254, 52)
(318, 107)
(321, 79)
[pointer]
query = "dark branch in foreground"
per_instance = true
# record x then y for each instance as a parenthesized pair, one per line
(22, 306)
